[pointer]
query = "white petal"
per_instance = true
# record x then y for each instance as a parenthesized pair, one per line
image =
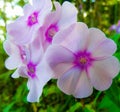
(54, 16)
(43, 70)
(45, 5)
(75, 82)
(16, 74)
(68, 16)
(59, 59)
(73, 38)
(83, 88)
(7, 46)
(102, 72)
(104, 49)
(35, 90)
(95, 37)
(19, 32)
(28, 10)
(10, 47)
(68, 81)
(13, 62)
(23, 71)
(36, 51)
(36, 85)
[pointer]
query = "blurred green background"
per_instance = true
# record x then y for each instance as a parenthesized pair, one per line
(13, 92)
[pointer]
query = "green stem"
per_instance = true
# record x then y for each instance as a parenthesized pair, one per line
(96, 98)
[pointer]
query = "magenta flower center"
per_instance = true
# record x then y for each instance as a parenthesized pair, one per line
(31, 69)
(50, 32)
(83, 60)
(33, 19)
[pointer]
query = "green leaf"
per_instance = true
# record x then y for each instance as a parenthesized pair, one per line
(106, 105)
(8, 107)
(113, 93)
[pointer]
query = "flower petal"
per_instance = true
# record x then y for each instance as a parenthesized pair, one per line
(43, 69)
(75, 82)
(68, 81)
(104, 49)
(28, 9)
(35, 90)
(13, 62)
(20, 32)
(23, 71)
(6, 46)
(95, 37)
(83, 88)
(15, 74)
(59, 59)
(73, 38)
(102, 72)
(49, 20)
(36, 51)
(68, 15)
(36, 85)
(46, 5)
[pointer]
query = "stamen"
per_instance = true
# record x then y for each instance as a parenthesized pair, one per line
(32, 19)
(83, 60)
(50, 32)
(31, 70)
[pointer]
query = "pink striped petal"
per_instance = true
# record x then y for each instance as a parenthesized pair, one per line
(16, 29)
(28, 10)
(84, 87)
(104, 49)
(36, 85)
(68, 15)
(53, 17)
(74, 38)
(15, 74)
(10, 48)
(75, 82)
(13, 62)
(59, 59)
(35, 90)
(102, 72)
(45, 5)
(95, 37)
(68, 81)
(36, 51)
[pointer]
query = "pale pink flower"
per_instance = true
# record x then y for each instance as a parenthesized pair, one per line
(24, 29)
(27, 60)
(18, 55)
(62, 17)
(81, 59)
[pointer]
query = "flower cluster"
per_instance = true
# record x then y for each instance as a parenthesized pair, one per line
(47, 42)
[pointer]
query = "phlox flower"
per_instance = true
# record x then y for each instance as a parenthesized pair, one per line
(116, 27)
(23, 30)
(27, 60)
(62, 17)
(81, 59)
